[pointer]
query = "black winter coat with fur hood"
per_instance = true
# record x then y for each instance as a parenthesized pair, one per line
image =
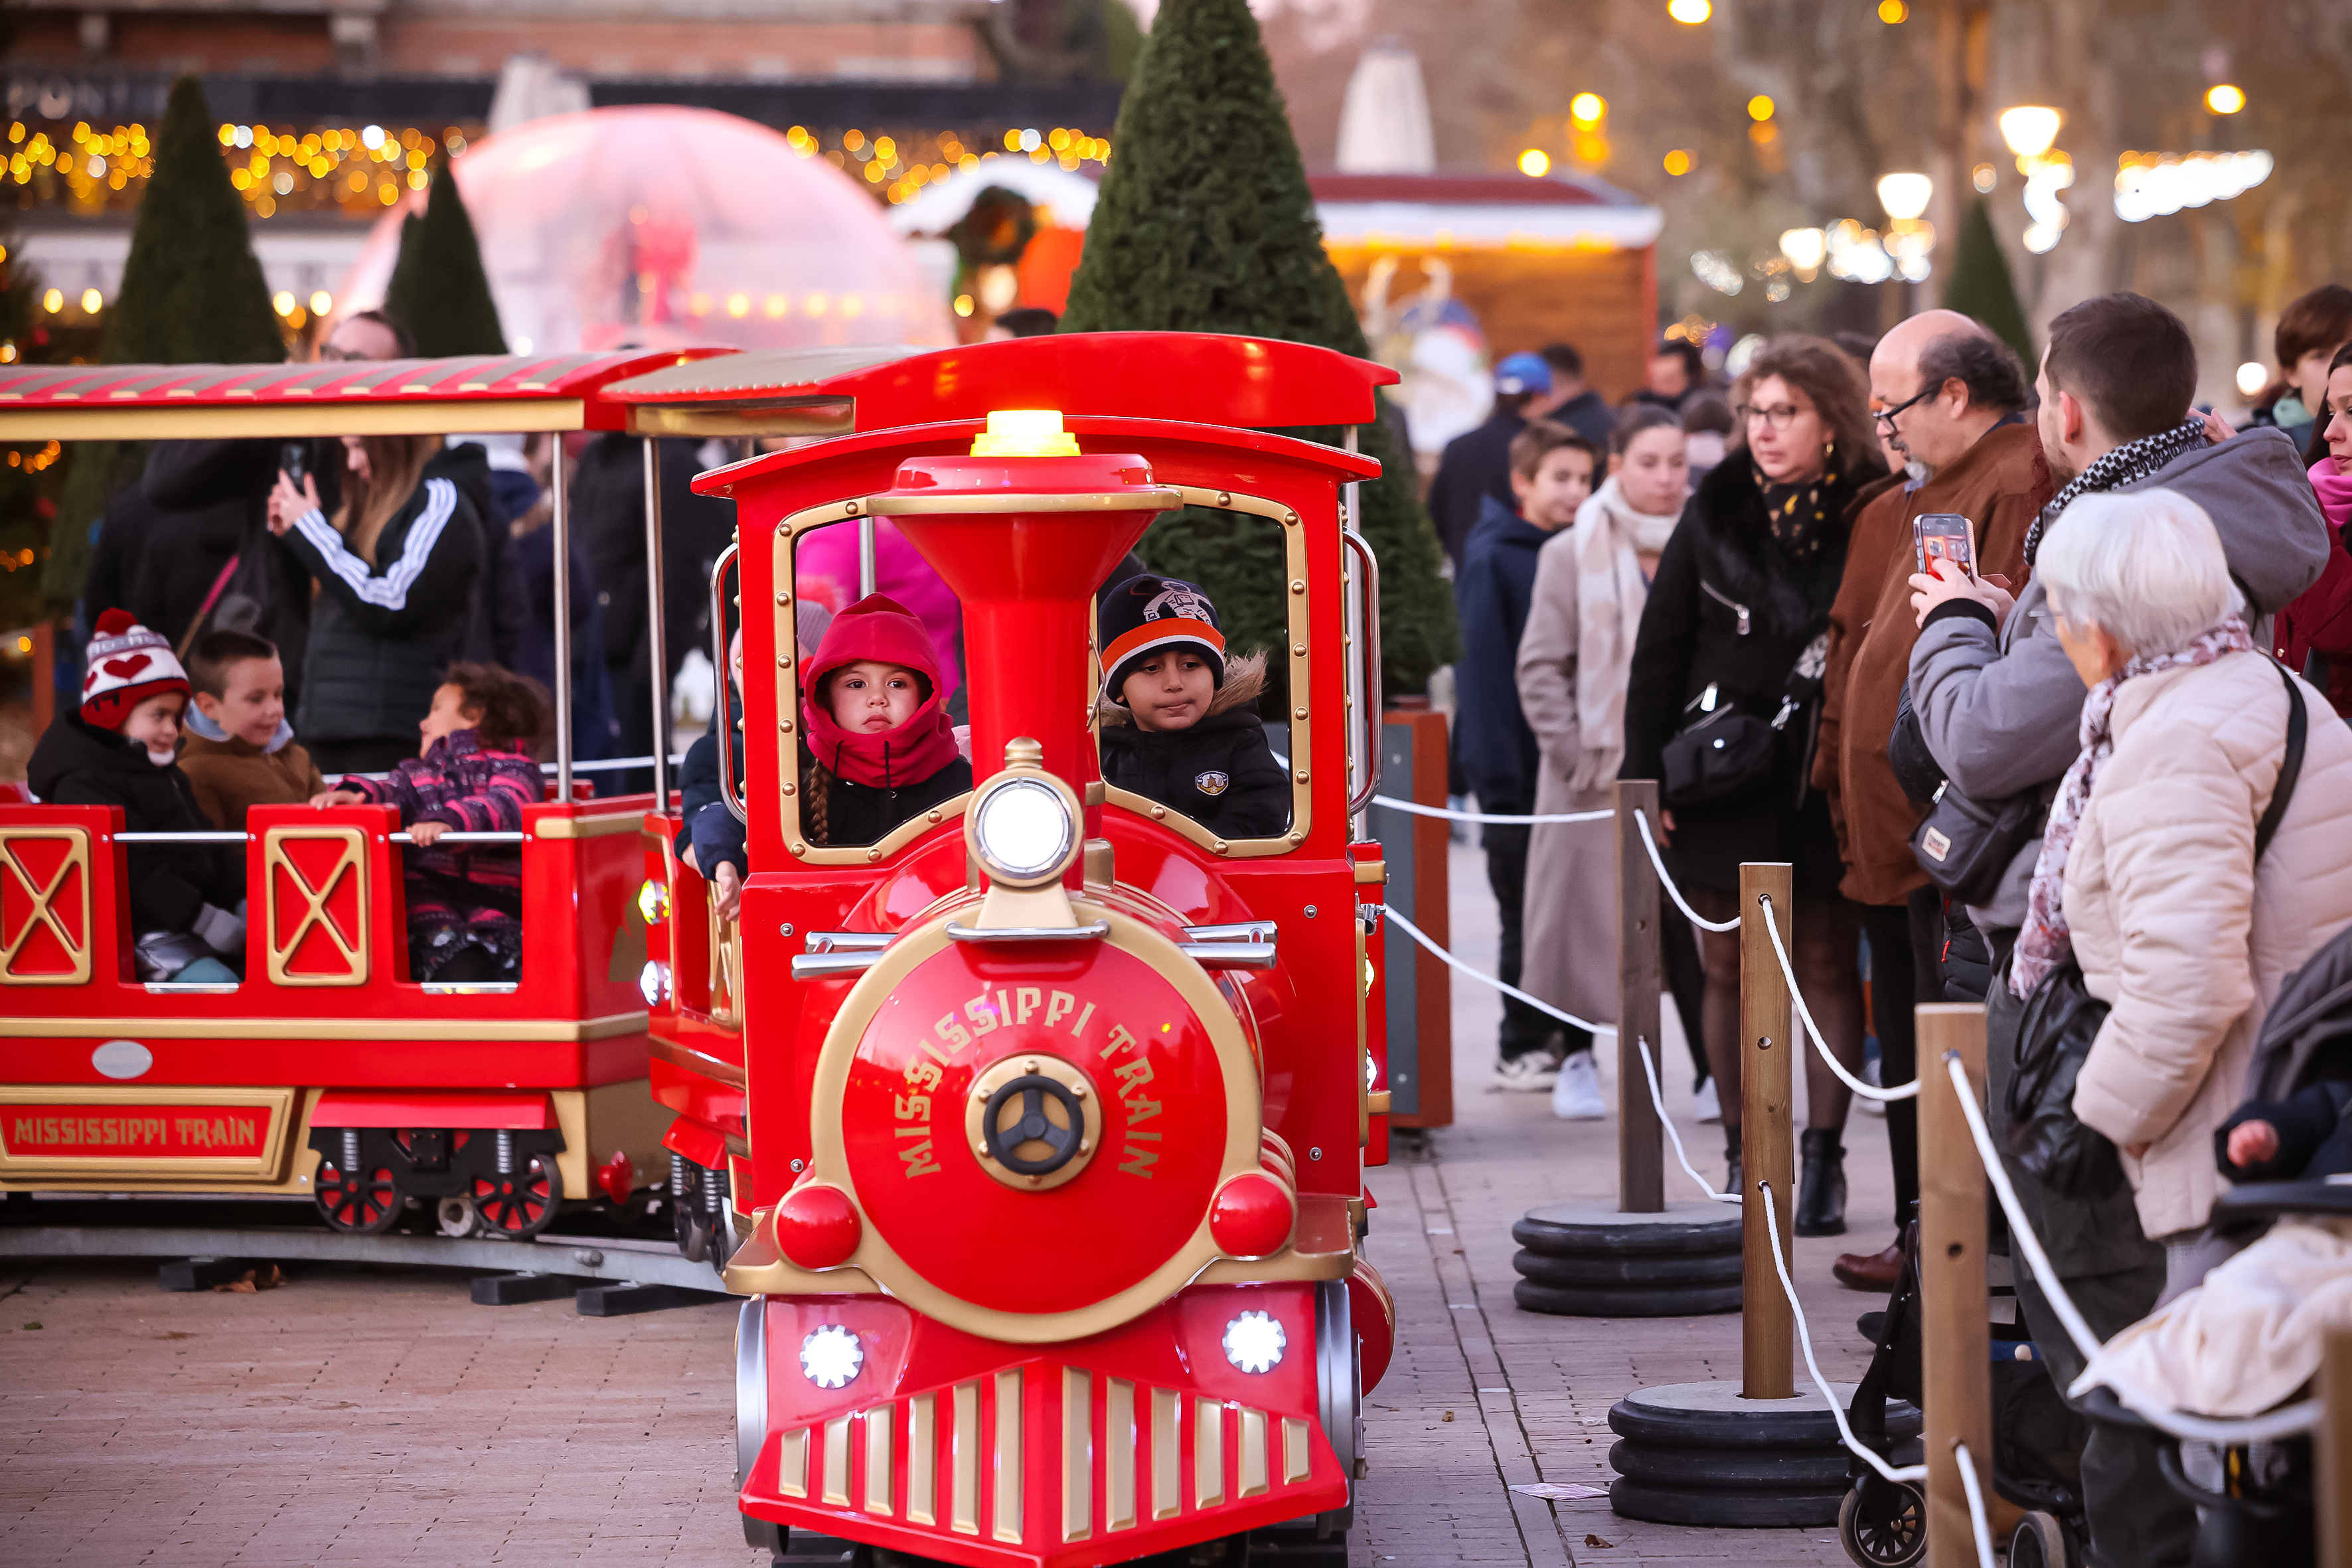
(1219, 773)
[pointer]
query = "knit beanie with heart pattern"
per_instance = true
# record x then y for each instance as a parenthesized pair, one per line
(127, 664)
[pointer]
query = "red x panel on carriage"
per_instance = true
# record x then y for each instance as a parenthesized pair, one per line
(1057, 1103)
(327, 1070)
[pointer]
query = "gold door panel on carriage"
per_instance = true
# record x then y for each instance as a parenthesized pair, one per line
(316, 905)
(45, 906)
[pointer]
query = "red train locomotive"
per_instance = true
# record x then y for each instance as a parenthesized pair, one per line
(1056, 1103)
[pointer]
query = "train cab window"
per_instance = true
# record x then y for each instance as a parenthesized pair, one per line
(879, 747)
(1192, 718)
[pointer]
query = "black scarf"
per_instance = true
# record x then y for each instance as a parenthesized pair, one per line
(2127, 464)
(1798, 519)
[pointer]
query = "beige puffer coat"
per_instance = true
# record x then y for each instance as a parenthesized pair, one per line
(2175, 927)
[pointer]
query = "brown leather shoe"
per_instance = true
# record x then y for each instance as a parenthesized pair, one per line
(1875, 1271)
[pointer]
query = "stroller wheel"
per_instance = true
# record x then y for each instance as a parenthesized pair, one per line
(1883, 1524)
(2041, 1542)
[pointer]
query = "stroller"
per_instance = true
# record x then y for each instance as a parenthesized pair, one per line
(2037, 1445)
(2259, 1513)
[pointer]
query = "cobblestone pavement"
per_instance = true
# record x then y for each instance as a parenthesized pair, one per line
(375, 1417)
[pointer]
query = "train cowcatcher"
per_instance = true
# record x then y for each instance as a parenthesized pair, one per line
(1057, 1105)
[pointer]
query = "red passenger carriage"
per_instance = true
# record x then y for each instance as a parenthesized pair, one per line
(1057, 1105)
(328, 1071)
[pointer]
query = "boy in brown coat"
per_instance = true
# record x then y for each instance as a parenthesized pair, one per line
(240, 749)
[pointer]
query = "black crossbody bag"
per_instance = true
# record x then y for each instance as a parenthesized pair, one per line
(2061, 1019)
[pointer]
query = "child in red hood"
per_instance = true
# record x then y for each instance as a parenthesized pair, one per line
(878, 747)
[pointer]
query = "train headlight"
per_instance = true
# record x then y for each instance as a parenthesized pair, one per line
(654, 980)
(831, 1356)
(1023, 830)
(1253, 1343)
(653, 901)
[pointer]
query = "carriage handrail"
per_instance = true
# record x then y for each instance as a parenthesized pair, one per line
(656, 624)
(229, 838)
(1369, 685)
(723, 701)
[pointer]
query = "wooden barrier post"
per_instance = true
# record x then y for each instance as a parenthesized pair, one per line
(1767, 1151)
(1957, 1371)
(2331, 1482)
(1640, 1143)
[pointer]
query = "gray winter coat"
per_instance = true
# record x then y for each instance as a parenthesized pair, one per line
(2002, 710)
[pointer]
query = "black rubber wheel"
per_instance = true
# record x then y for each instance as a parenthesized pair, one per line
(1627, 1302)
(703, 1236)
(521, 1204)
(2041, 1541)
(1793, 1469)
(1555, 1238)
(365, 1203)
(1882, 1524)
(1674, 1505)
(1742, 1429)
(1635, 1273)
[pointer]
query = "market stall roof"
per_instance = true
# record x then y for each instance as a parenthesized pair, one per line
(1064, 199)
(1479, 212)
(479, 393)
(1206, 378)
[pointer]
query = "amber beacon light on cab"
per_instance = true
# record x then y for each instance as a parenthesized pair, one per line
(1058, 1104)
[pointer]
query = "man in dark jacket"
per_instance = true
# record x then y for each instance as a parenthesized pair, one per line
(1476, 466)
(1949, 397)
(1574, 403)
(1180, 720)
(1552, 472)
(1999, 706)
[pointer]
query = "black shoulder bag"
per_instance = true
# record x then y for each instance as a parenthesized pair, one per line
(2061, 1019)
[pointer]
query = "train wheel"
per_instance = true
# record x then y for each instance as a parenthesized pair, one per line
(364, 1202)
(522, 1202)
(700, 1215)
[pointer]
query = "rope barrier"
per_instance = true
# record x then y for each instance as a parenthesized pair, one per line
(1805, 1338)
(1650, 1069)
(1641, 821)
(1900, 1091)
(1981, 1526)
(1537, 1002)
(2282, 1423)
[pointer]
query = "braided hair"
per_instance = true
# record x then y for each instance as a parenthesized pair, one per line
(816, 798)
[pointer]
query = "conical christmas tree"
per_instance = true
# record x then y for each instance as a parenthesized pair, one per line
(1980, 285)
(438, 290)
(1206, 225)
(191, 293)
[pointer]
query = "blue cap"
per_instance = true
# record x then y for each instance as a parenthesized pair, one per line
(1522, 373)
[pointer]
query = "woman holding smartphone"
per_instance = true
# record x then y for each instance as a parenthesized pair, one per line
(395, 566)
(1731, 645)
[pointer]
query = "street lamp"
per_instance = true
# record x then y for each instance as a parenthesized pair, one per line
(1905, 196)
(1805, 249)
(2030, 129)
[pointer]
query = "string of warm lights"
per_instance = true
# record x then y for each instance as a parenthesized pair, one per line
(897, 167)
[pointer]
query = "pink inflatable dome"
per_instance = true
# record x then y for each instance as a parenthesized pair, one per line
(658, 225)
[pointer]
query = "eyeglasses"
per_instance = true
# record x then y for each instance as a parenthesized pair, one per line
(1779, 418)
(1886, 415)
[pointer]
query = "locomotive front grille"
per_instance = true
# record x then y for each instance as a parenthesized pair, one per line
(1117, 1453)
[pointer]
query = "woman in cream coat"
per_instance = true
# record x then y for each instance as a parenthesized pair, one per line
(1592, 581)
(2147, 872)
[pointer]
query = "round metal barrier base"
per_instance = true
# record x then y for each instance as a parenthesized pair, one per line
(1698, 1453)
(1587, 1260)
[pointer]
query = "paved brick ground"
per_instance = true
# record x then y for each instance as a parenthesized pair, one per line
(372, 1416)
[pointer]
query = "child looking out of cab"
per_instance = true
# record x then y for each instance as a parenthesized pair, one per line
(1179, 719)
(187, 901)
(879, 749)
(241, 751)
(472, 774)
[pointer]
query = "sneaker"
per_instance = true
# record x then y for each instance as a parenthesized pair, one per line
(1532, 1073)
(1577, 1095)
(1863, 1102)
(1705, 1105)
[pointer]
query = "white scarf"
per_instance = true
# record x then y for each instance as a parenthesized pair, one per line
(1609, 537)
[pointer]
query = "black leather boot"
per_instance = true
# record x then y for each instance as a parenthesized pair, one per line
(1731, 1154)
(1821, 1184)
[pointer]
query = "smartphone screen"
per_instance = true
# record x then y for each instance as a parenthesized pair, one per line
(293, 457)
(1944, 536)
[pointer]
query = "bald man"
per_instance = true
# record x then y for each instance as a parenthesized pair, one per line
(1950, 401)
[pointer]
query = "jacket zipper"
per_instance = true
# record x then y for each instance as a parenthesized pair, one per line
(1740, 610)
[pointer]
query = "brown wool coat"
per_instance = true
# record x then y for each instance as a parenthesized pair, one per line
(231, 775)
(2000, 483)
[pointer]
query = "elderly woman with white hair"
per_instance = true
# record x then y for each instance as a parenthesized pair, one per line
(2147, 876)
